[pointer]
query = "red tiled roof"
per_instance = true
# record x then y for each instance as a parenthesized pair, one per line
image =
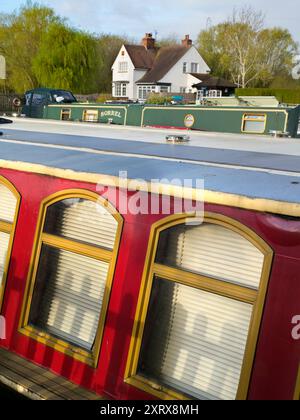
(157, 60)
(207, 80)
(165, 59)
(141, 57)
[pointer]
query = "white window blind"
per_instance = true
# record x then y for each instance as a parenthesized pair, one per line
(82, 220)
(90, 115)
(252, 126)
(195, 341)
(214, 251)
(8, 203)
(4, 243)
(70, 286)
(72, 292)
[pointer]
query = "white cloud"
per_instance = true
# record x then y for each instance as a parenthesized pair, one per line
(136, 17)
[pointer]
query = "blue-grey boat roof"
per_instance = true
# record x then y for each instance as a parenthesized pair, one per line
(243, 158)
(255, 176)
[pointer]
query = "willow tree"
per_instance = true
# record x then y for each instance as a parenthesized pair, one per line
(20, 40)
(67, 59)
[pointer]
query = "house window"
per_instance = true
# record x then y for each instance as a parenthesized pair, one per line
(118, 89)
(214, 93)
(254, 123)
(194, 68)
(123, 67)
(9, 204)
(145, 91)
(90, 115)
(197, 309)
(184, 68)
(69, 285)
(121, 90)
(182, 90)
(65, 114)
(164, 89)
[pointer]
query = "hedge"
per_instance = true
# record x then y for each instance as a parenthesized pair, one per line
(103, 97)
(286, 96)
(157, 99)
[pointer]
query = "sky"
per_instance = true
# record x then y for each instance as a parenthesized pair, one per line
(165, 17)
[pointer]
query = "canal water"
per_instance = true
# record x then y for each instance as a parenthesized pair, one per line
(9, 394)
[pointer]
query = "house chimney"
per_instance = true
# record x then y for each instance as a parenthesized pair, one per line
(187, 42)
(149, 42)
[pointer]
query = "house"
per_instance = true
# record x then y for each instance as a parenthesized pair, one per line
(140, 70)
(213, 87)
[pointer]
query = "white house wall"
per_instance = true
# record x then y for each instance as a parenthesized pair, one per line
(178, 79)
(138, 74)
(191, 80)
(124, 76)
(175, 76)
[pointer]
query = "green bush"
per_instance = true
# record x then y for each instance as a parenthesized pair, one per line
(157, 99)
(286, 96)
(103, 97)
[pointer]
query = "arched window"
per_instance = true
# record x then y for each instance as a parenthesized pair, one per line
(199, 310)
(9, 205)
(73, 265)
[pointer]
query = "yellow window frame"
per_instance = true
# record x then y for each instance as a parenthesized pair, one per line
(254, 120)
(239, 293)
(86, 111)
(41, 238)
(8, 228)
(297, 389)
(64, 112)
